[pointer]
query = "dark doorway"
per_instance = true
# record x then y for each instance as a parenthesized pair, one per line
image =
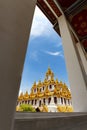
(25, 102)
(32, 102)
(28, 101)
(35, 101)
(49, 100)
(68, 102)
(40, 103)
(65, 101)
(44, 100)
(61, 100)
(55, 100)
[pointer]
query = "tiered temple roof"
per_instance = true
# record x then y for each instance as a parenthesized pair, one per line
(60, 89)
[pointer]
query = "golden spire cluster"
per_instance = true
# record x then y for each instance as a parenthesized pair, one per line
(41, 89)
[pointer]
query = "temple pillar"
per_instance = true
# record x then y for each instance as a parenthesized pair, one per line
(64, 101)
(30, 102)
(52, 87)
(46, 101)
(67, 102)
(70, 101)
(24, 101)
(75, 74)
(15, 23)
(82, 56)
(59, 101)
(37, 103)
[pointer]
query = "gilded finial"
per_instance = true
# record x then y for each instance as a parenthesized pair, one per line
(57, 81)
(34, 85)
(49, 74)
(60, 81)
(34, 82)
(39, 84)
(26, 95)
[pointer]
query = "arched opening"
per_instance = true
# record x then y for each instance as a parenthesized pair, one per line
(65, 101)
(49, 100)
(35, 101)
(32, 102)
(40, 103)
(28, 101)
(61, 100)
(55, 100)
(50, 86)
(44, 101)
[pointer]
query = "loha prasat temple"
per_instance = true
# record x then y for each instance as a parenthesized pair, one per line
(49, 95)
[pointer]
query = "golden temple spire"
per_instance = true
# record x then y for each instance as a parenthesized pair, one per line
(56, 81)
(34, 82)
(45, 82)
(34, 85)
(39, 84)
(49, 74)
(21, 96)
(26, 95)
(61, 83)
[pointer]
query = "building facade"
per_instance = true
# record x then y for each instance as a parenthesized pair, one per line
(49, 95)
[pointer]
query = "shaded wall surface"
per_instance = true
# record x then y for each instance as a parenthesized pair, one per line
(51, 121)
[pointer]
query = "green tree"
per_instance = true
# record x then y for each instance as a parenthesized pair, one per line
(27, 107)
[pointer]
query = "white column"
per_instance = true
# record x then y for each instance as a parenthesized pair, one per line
(58, 100)
(67, 102)
(52, 87)
(37, 103)
(77, 83)
(46, 101)
(28, 102)
(15, 24)
(82, 56)
(63, 102)
(52, 101)
(70, 101)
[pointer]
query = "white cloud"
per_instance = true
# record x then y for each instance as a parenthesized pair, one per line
(59, 44)
(53, 53)
(58, 53)
(34, 55)
(40, 25)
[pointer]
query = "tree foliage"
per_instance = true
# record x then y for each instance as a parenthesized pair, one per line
(27, 107)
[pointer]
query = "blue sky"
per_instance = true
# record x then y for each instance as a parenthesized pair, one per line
(44, 50)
